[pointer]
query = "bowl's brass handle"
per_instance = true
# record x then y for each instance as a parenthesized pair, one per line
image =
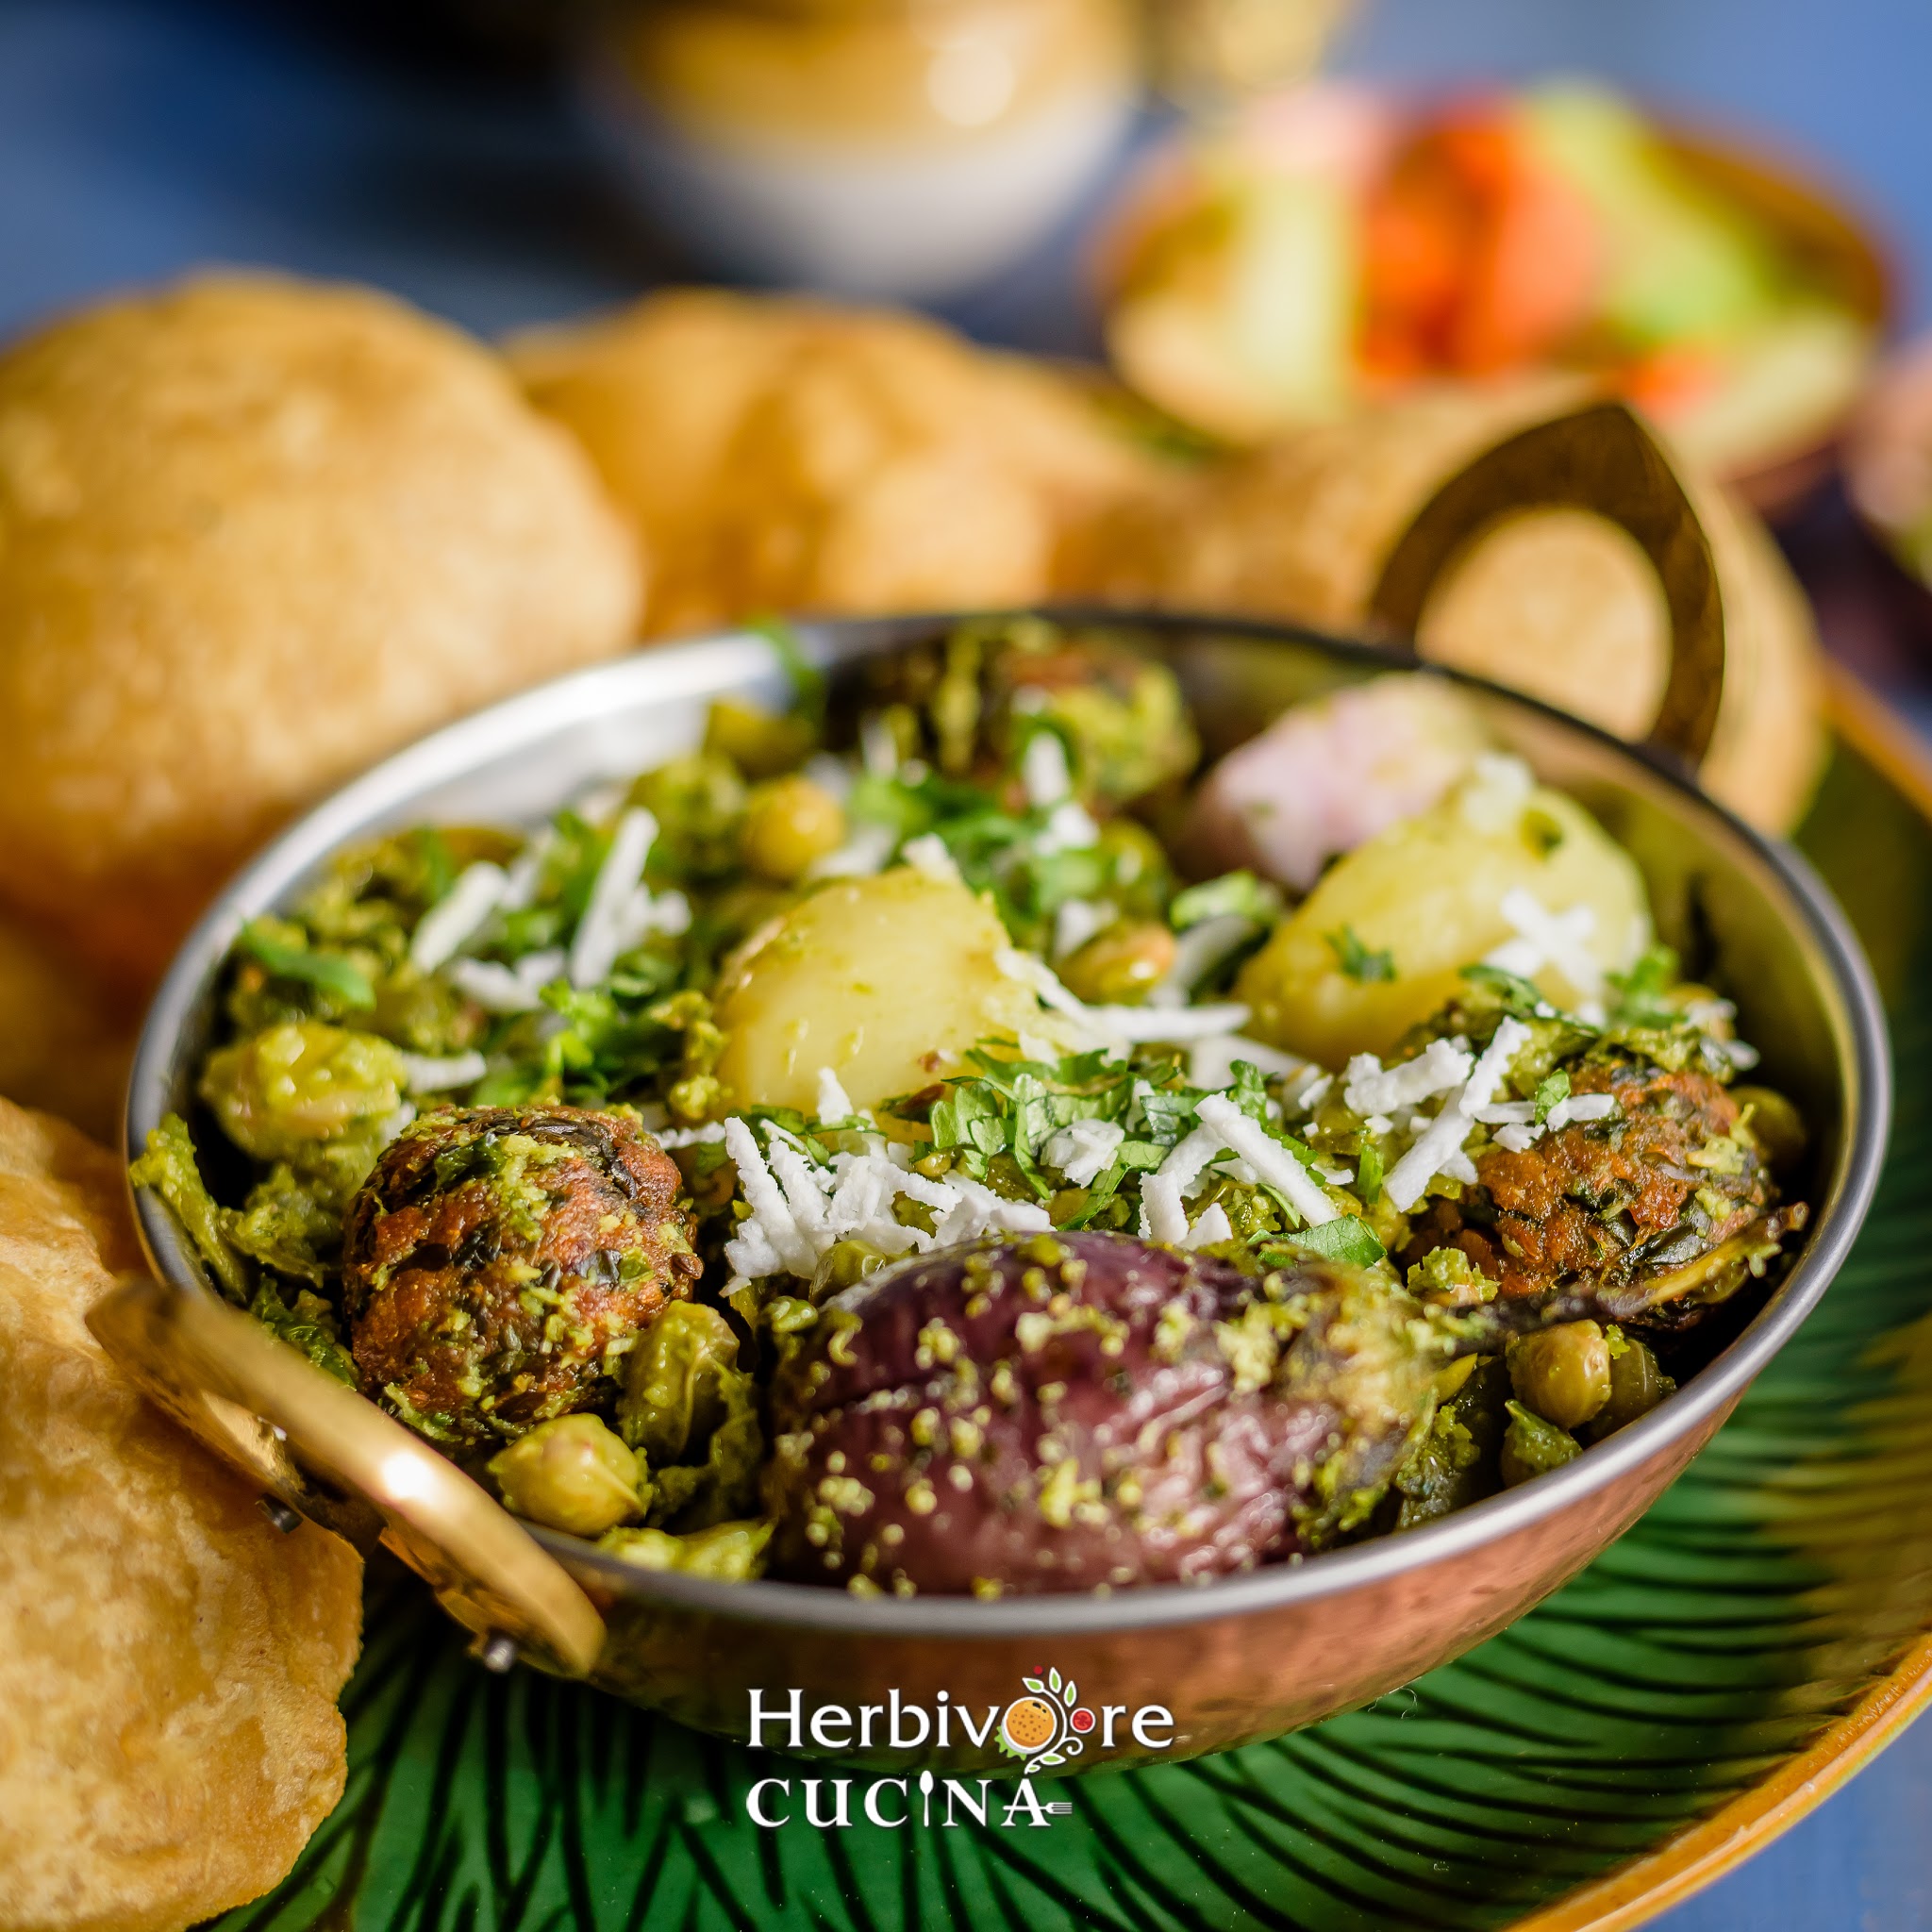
(283, 1422)
(1598, 459)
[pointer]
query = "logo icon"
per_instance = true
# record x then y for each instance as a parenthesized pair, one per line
(1047, 1725)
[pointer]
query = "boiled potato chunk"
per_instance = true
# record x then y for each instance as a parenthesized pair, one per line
(1429, 894)
(889, 981)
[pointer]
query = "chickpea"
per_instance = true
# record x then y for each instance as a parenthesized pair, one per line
(1636, 1386)
(1563, 1374)
(1532, 1447)
(573, 1473)
(761, 744)
(1120, 966)
(788, 824)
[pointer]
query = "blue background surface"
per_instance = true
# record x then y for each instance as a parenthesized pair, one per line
(138, 140)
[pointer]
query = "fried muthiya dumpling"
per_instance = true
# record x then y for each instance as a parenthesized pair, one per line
(1077, 1411)
(169, 1662)
(1650, 1215)
(255, 534)
(500, 1263)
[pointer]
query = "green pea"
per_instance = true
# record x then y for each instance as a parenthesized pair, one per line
(788, 824)
(573, 1473)
(1533, 1447)
(1636, 1386)
(761, 744)
(1122, 965)
(1563, 1374)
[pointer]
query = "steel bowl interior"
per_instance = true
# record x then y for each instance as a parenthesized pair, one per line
(1750, 916)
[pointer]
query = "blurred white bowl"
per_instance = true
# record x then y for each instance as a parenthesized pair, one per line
(900, 155)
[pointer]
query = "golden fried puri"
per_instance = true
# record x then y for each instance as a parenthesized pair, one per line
(1557, 603)
(254, 533)
(169, 1663)
(65, 1040)
(780, 454)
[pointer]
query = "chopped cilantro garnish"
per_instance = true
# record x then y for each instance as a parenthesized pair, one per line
(1345, 1238)
(1514, 993)
(1237, 893)
(1361, 964)
(1368, 1174)
(440, 868)
(328, 971)
(1016, 1107)
(807, 680)
(1250, 1090)
(1639, 994)
(1551, 1093)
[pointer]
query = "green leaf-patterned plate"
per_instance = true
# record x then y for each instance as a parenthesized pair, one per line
(1757, 1635)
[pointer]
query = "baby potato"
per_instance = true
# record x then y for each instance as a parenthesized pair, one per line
(888, 980)
(1380, 944)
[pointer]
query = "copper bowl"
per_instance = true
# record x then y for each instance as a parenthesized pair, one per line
(1235, 1660)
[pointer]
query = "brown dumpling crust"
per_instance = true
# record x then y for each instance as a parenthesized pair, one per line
(500, 1262)
(254, 535)
(1599, 1209)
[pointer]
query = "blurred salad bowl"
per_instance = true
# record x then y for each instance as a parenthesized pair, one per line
(1337, 246)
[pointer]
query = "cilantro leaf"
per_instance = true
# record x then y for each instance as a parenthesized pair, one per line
(1250, 1091)
(328, 971)
(1368, 1174)
(1347, 1238)
(1515, 994)
(440, 868)
(1551, 1094)
(1358, 961)
(1238, 893)
(1130, 1156)
(1639, 992)
(967, 1123)
(1170, 1112)
(807, 680)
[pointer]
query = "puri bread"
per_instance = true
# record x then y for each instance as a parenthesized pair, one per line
(784, 454)
(655, 396)
(169, 1663)
(65, 1040)
(1300, 528)
(255, 534)
(1560, 604)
